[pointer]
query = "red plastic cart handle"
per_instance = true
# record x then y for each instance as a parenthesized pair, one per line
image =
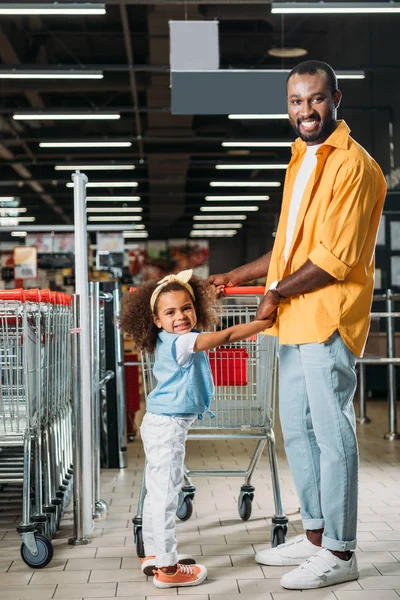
(246, 290)
(17, 294)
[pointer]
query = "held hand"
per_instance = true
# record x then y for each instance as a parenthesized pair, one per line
(220, 281)
(268, 308)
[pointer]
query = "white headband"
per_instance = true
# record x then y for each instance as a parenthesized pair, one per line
(182, 278)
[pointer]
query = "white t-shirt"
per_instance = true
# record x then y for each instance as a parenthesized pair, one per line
(304, 174)
(184, 347)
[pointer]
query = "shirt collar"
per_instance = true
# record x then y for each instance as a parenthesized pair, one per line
(338, 139)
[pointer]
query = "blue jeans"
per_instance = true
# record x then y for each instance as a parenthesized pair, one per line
(317, 383)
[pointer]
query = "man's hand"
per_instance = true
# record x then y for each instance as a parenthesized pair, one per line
(268, 308)
(223, 279)
(271, 320)
(220, 282)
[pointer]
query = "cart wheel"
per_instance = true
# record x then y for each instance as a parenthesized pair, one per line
(278, 535)
(44, 555)
(138, 535)
(245, 506)
(185, 510)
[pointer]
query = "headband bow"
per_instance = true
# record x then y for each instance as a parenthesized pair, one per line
(182, 278)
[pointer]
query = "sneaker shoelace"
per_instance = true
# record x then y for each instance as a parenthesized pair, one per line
(296, 540)
(320, 564)
(185, 569)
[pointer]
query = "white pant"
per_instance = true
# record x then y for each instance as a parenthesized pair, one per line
(164, 439)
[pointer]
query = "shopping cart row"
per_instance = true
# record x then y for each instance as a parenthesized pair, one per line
(35, 412)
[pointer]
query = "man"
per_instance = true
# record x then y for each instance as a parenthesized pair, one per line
(320, 277)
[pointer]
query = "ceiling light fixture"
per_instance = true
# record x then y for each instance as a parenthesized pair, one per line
(135, 209)
(251, 167)
(245, 144)
(85, 144)
(335, 7)
(10, 220)
(219, 217)
(217, 225)
(94, 168)
(122, 218)
(6, 211)
(19, 233)
(229, 208)
(135, 234)
(245, 184)
(241, 198)
(66, 117)
(7, 198)
(287, 52)
(106, 184)
(75, 8)
(215, 233)
(112, 198)
(50, 74)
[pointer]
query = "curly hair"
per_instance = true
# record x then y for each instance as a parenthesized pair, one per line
(136, 317)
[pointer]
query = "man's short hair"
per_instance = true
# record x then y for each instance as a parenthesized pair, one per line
(312, 67)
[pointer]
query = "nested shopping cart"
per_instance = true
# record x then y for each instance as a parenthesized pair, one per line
(245, 380)
(35, 412)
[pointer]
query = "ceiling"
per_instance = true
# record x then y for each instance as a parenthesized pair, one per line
(175, 156)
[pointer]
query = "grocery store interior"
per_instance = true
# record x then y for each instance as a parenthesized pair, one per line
(141, 138)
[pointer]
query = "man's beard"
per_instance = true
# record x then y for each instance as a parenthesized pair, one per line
(321, 134)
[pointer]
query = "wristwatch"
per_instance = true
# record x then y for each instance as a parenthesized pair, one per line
(274, 291)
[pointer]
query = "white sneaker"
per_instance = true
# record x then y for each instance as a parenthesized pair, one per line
(293, 552)
(148, 564)
(321, 570)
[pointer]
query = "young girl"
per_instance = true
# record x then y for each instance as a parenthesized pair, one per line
(162, 318)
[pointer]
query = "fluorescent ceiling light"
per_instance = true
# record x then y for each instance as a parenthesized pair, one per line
(219, 217)
(257, 144)
(85, 144)
(6, 211)
(7, 198)
(135, 234)
(19, 233)
(134, 209)
(251, 167)
(106, 184)
(113, 198)
(82, 8)
(229, 208)
(215, 233)
(65, 117)
(10, 220)
(217, 225)
(350, 75)
(134, 227)
(241, 198)
(255, 116)
(50, 74)
(111, 218)
(94, 168)
(335, 7)
(245, 184)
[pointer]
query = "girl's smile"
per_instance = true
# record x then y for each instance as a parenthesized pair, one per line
(175, 312)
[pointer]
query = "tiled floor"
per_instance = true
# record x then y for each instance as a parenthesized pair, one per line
(108, 567)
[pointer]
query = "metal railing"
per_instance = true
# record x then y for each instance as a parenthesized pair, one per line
(391, 361)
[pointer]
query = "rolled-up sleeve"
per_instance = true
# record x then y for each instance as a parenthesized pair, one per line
(345, 228)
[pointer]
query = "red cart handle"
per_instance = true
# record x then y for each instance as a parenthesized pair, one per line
(246, 290)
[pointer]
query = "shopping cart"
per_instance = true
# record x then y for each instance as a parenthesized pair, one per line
(35, 412)
(245, 380)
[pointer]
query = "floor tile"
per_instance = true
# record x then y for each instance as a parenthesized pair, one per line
(88, 590)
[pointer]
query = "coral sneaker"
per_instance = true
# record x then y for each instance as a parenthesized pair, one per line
(185, 576)
(148, 564)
